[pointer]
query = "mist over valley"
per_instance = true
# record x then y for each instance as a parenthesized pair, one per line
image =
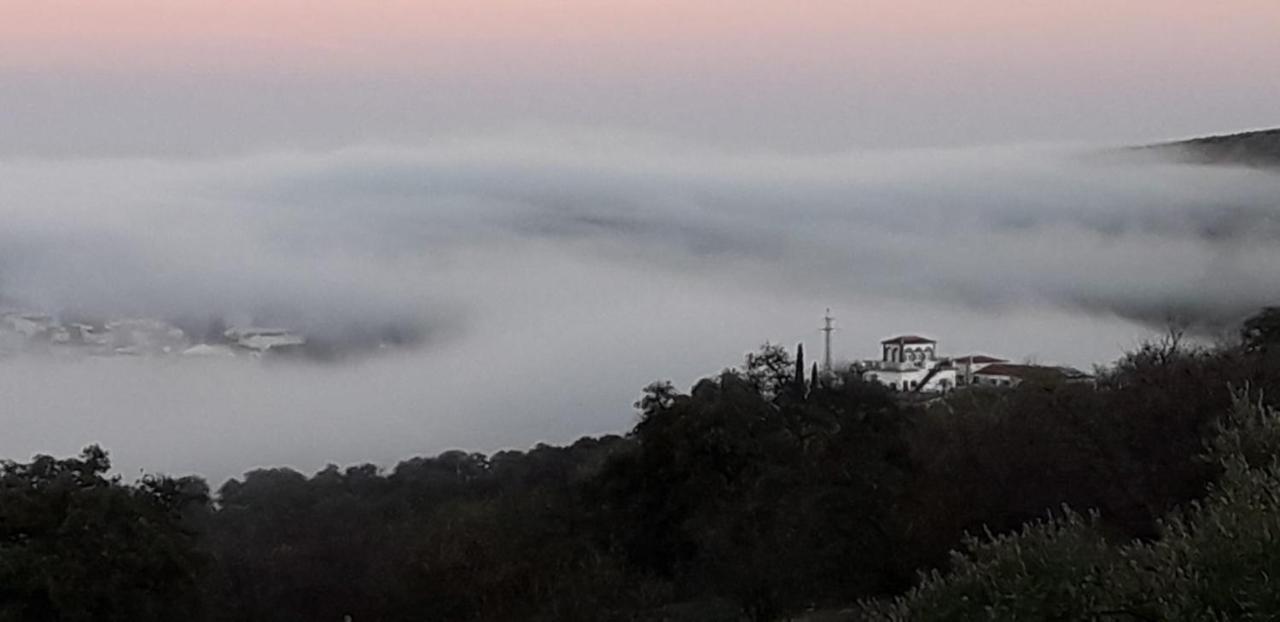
(445, 289)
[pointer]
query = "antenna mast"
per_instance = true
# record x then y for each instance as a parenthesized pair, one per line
(827, 329)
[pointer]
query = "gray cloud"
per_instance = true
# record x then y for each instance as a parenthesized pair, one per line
(1001, 226)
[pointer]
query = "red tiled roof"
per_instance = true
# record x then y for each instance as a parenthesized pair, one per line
(1025, 372)
(909, 339)
(979, 358)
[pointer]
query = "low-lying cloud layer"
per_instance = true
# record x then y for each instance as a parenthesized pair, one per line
(551, 276)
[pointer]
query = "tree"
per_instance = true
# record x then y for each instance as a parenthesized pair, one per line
(1214, 560)
(1261, 332)
(1260, 340)
(77, 545)
(798, 384)
(769, 370)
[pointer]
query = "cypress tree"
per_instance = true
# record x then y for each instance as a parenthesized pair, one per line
(799, 381)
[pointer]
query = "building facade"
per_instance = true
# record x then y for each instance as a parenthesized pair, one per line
(910, 363)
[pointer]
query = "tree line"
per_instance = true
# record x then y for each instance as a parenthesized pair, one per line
(757, 494)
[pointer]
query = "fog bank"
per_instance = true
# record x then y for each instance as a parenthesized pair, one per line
(554, 275)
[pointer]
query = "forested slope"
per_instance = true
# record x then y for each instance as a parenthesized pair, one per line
(759, 494)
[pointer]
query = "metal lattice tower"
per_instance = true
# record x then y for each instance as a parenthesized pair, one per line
(827, 329)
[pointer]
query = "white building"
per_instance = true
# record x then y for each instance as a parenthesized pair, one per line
(28, 325)
(145, 337)
(261, 340)
(206, 350)
(34, 333)
(967, 366)
(911, 363)
(1011, 375)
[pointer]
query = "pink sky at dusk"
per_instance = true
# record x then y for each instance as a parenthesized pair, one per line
(983, 70)
(327, 35)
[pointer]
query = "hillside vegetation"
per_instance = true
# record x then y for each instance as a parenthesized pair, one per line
(752, 496)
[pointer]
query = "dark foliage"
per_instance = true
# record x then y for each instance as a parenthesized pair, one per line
(78, 545)
(758, 494)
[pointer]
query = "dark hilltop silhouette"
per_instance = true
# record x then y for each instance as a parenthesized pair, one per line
(1259, 148)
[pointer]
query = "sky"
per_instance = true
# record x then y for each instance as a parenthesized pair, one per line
(572, 199)
(201, 77)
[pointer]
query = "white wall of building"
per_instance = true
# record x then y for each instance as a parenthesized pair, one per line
(909, 379)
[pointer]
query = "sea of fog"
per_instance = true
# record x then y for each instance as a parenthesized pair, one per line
(554, 275)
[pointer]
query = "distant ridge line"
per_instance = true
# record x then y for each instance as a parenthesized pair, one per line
(1259, 148)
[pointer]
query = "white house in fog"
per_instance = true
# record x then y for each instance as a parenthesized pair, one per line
(261, 340)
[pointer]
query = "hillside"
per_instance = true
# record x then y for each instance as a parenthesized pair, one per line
(1257, 149)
